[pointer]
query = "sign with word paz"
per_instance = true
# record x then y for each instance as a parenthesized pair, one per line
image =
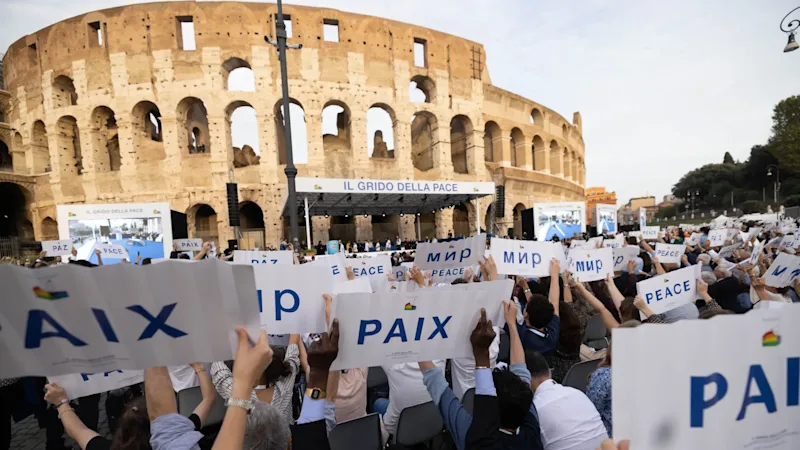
(78, 385)
(290, 297)
(448, 255)
(526, 258)
(650, 233)
(665, 292)
(57, 248)
(622, 255)
(266, 257)
(669, 253)
(688, 395)
(785, 268)
(69, 319)
(189, 245)
(591, 265)
(426, 324)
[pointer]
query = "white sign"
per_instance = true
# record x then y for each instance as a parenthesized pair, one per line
(650, 233)
(336, 264)
(526, 258)
(425, 324)
(345, 186)
(57, 248)
(591, 265)
(577, 243)
(449, 275)
(606, 218)
(449, 255)
(290, 297)
(718, 237)
(78, 385)
(189, 245)
(594, 242)
(669, 253)
(564, 220)
(665, 292)
(612, 243)
(783, 270)
(642, 218)
(757, 249)
(377, 267)
(741, 396)
(693, 240)
(112, 251)
(727, 251)
(622, 255)
(253, 257)
(69, 319)
(789, 241)
(636, 234)
(357, 286)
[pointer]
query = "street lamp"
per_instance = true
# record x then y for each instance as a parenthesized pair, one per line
(691, 196)
(290, 170)
(790, 28)
(777, 186)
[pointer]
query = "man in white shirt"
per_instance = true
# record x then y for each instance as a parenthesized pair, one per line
(406, 389)
(388, 244)
(567, 418)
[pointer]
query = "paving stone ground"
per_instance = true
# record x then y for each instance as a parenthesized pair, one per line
(26, 435)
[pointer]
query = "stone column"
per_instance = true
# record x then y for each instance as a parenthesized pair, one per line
(320, 229)
(358, 144)
(525, 154)
(171, 165)
(408, 227)
(542, 156)
(503, 146)
(221, 158)
(441, 150)
(316, 153)
(363, 228)
(444, 223)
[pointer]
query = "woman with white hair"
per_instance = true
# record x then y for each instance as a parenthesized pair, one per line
(266, 429)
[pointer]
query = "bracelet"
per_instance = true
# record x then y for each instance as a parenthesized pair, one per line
(62, 411)
(481, 367)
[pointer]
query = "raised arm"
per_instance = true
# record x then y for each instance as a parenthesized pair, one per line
(659, 268)
(158, 392)
(523, 284)
(99, 258)
(554, 294)
(616, 295)
(608, 319)
(73, 425)
(207, 389)
(517, 352)
(204, 251)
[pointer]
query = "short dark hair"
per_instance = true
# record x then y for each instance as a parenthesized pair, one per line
(459, 281)
(278, 368)
(183, 256)
(514, 398)
(147, 261)
(133, 431)
(83, 262)
(540, 311)
(627, 310)
(536, 364)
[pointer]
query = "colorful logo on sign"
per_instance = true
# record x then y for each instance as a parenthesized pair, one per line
(69, 214)
(55, 295)
(317, 187)
(410, 307)
(155, 211)
(474, 189)
(770, 339)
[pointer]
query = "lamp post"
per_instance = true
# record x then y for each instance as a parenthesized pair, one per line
(777, 186)
(691, 196)
(790, 28)
(290, 170)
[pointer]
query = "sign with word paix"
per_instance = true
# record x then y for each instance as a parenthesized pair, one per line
(691, 390)
(78, 385)
(525, 258)
(591, 265)
(290, 297)
(448, 255)
(665, 292)
(669, 253)
(57, 248)
(188, 245)
(262, 257)
(426, 324)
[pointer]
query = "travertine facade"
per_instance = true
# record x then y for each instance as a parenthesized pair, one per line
(109, 107)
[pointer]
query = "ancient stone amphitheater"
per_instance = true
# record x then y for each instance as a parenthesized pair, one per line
(134, 104)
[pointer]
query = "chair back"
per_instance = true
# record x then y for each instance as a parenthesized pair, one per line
(595, 329)
(505, 348)
(188, 399)
(376, 377)
(418, 424)
(362, 433)
(578, 375)
(468, 402)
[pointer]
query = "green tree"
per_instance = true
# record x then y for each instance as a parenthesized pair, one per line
(792, 200)
(785, 141)
(753, 206)
(728, 159)
(667, 211)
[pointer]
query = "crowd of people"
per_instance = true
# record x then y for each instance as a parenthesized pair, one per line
(281, 397)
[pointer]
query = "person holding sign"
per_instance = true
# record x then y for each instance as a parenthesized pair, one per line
(542, 324)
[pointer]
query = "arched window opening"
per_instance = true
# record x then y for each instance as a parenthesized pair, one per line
(6, 163)
(461, 223)
(49, 229)
(343, 228)
(40, 149)
(421, 89)
(538, 155)
(69, 146)
(517, 216)
(423, 139)
(251, 226)
(193, 126)
(555, 158)
(460, 142)
(297, 119)
(105, 140)
(14, 211)
(243, 129)
(380, 132)
(536, 117)
(147, 132)
(335, 126)
(490, 134)
(517, 148)
(238, 75)
(205, 222)
(64, 93)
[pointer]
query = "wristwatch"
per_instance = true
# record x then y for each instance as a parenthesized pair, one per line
(316, 393)
(246, 405)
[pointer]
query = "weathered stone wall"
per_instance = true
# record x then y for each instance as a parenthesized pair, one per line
(62, 83)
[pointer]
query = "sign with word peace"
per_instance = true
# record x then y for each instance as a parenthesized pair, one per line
(57, 248)
(421, 325)
(591, 265)
(665, 292)
(448, 255)
(783, 270)
(718, 237)
(526, 258)
(689, 389)
(188, 245)
(78, 385)
(650, 233)
(70, 319)
(112, 251)
(371, 268)
(669, 253)
(290, 297)
(266, 257)
(622, 255)
(449, 275)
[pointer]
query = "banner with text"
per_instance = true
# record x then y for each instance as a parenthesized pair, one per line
(375, 269)
(69, 319)
(697, 391)
(113, 251)
(785, 268)
(669, 253)
(591, 265)
(665, 292)
(78, 385)
(718, 237)
(650, 233)
(449, 255)
(526, 258)
(421, 325)
(283, 257)
(188, 245)
(57, 248)
(290, 297)
(622, 255)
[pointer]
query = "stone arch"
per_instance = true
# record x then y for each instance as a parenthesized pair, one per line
(567, 163)
(297, 116)
(488, 219)
(64, 93)
(336, 126)
(202, 221)
(427, 225)
(69, 146)
(18, 153)
(105, 140)
(517, 216)
(252, 227)
(40, 148)
(241, 125)
(517, 147)
(461, 222)
(461, 137)
(14, 211)
(492, 147)
(238, 76)
(536, 117)
(564, 131)
(424, 137)
(148, 135)
(538, 153)
(6, 162)
(49, 230)
(381, 121)
(555, 158)
(193, 134)
(421, 89)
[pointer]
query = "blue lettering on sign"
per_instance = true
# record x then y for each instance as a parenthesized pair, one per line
(37, 317)
(778, 270)
(263, 261)
(447, 272)
(469, 252)
(335, 269)
(618, 259)
(375, 270)
(368, 328)
(450, 255)
(523, 257)
(279, 307)
(665, 292)
(698, 403)
(589, 266)
(61, 248)
(434, 257)
(85, 376)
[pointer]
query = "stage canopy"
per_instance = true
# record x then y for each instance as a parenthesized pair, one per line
(339, 197)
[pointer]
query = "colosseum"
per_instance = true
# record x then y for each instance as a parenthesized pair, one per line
(135, 104)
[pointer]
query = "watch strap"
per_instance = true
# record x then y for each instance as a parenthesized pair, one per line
(316, 394)
(246, 405)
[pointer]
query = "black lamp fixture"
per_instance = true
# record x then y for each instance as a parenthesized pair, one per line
(790, 28)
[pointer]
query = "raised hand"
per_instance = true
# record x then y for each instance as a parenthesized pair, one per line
(481, 339)
(510, 312)
(702, 287)
(350, 274)
(555, 267)
(489, 269)
(324, 351)
(631, 266)
(251, 361)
